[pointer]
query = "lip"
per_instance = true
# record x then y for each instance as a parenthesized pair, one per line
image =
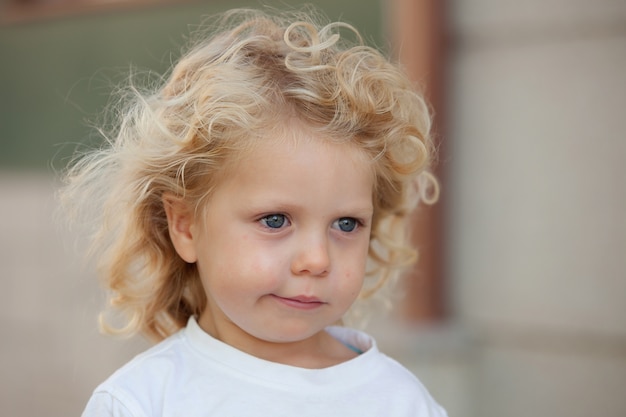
(300, 302)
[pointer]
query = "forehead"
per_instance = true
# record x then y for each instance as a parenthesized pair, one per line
(299, 152)
(294, 133)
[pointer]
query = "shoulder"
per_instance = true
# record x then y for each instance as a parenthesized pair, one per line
(138, 384)
(408, 389)
(160, 359)
(386, 379)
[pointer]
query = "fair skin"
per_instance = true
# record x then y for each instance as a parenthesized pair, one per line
(281, 248)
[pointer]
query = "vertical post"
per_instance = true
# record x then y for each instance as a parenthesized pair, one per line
(417, 34)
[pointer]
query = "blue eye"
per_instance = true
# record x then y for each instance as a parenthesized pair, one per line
(347, 224)
(274, 221)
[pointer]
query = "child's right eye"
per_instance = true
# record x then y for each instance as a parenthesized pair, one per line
(274, 221)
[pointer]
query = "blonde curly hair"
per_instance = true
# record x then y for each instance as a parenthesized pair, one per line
(221, 97)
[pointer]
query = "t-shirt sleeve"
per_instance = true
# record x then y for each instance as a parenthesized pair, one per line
(104, 404)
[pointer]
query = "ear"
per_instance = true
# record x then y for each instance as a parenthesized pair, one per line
(180, 221)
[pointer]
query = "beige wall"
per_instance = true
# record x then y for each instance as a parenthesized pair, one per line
(537, 203)
(52, 355)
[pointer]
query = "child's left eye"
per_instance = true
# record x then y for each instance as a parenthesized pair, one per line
(346, 224)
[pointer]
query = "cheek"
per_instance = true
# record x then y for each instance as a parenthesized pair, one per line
(351, 285)
(247, 266)
(264, 272)
(361, 259)
(353, 276)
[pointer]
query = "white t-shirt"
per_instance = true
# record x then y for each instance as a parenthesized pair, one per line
(191, 374)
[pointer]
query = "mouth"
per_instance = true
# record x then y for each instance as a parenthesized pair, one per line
(300, 302)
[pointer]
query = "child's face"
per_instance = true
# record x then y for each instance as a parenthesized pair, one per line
(282, 251)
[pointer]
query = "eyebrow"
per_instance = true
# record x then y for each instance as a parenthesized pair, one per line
(277, 205)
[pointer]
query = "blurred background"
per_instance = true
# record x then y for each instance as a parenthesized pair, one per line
(518, 304)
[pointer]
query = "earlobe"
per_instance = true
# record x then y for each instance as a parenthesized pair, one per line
(180, 222)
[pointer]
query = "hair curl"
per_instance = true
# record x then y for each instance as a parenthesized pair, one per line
(256, 69)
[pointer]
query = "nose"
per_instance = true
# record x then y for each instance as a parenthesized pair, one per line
(312, 257)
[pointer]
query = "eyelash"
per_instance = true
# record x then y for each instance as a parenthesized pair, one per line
(284, 221)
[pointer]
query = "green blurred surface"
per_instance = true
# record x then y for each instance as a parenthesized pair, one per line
(57, 75)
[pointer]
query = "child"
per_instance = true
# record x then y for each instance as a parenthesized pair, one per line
(243, 204)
